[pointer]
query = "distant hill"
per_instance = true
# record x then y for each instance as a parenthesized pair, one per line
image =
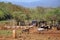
(18, 12)
(11, 7)
(6, 9)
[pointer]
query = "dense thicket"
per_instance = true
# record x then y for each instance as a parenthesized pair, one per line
(10, 11)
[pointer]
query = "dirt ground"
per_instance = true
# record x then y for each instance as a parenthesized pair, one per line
(45, 35)
(35, 37)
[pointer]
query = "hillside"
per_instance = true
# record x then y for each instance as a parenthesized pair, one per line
(6, 9)
(11, 11)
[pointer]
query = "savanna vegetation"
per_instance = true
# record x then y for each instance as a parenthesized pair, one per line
(10, 11)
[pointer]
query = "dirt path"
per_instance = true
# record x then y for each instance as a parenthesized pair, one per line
(35, 36)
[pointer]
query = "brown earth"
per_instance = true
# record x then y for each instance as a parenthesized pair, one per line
(35, 35)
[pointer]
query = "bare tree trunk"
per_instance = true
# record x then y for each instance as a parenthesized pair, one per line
(53, 22)
(19, 23)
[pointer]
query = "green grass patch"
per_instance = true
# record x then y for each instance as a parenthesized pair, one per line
(5, 32)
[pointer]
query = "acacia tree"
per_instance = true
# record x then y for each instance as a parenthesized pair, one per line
(19, 16)
(53, 16)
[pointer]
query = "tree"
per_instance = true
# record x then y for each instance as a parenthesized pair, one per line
(19, 16)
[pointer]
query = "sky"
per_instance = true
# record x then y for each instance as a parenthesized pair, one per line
(20, 0)
(33, 3)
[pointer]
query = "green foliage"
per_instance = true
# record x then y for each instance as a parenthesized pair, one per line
(19, 16)
(1, 14)
(8, 11)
